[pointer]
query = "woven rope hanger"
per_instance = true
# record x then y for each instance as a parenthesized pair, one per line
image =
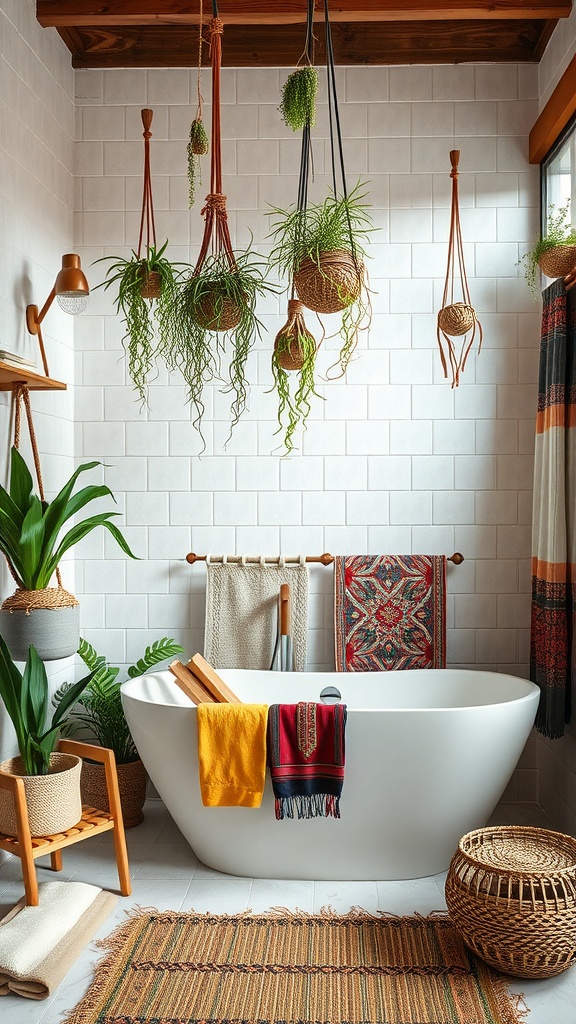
(456, 318)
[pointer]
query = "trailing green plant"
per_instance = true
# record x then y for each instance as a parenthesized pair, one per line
(215, 310)
(197, 146)
(100, 708)
(145, 287)
(294, 400)
(26, 698)
(559, 231)
(298, 104)
(30, 529)
(340, 224)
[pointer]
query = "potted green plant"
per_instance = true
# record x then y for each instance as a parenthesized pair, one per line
(145, 290)
(51, 779)
(321, 249)
(32, 541)
(100, 711)
(553, 253)
(214, 310)
(298, 103)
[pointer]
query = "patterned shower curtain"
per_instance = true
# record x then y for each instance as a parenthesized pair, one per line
(552, 640)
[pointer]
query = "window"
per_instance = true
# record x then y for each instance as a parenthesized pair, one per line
(559, 174)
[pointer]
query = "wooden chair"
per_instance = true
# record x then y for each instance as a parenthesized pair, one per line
(92, 823)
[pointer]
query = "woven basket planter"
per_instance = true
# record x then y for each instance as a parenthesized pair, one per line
(456, 319)
(151, 285)
(287, 344)
(132, 779)
(331, 284)
(559, 261)
(49, 619)
(511, 893)
(217, 312)
(53, 801)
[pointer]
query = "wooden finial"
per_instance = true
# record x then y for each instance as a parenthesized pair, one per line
(147, 116)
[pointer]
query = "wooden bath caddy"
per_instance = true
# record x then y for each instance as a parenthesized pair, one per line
(198, 680)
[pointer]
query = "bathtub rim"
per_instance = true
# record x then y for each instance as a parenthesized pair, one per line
(533, 690)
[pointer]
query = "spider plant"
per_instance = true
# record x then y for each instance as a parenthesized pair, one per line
(145, 286)
(214, 311)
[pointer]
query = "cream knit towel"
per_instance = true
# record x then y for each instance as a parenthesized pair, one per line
(242, 611)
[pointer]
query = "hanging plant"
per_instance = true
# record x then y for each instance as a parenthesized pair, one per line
(146, 288)
(145, 284)
(298, 104)
(456, 317)
(213, 311)
(294, 356)
(198, 144)
(321, 248)
(553, 253)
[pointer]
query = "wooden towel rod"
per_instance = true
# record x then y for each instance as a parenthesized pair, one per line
(326, 559)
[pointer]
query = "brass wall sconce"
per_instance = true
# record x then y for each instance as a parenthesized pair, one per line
(71, 291)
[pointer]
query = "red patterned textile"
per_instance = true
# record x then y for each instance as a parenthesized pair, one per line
(390, 612)
(553, 621)
(306, 758)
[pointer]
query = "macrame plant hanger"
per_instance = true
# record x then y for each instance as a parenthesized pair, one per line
(198, 143)
(456, 319)
(337, 282)
(291, 356)
(151, 284)
(52, 597)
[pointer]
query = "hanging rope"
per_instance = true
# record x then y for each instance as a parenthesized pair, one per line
(456, 318)
(147, 217)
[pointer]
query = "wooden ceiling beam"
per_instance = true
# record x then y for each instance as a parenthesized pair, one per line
(554, 117)
(256, 46)
(81, 13)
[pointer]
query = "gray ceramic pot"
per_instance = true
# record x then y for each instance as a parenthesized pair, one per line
(54, 632)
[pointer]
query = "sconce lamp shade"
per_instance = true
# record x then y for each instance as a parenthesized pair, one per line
(70, 289)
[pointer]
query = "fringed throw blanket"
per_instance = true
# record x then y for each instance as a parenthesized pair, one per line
(306, 758)
(242, 611)
(552, 643)
(390, 612)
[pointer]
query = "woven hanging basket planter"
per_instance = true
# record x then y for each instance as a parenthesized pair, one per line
(456, 319)
(217, 312)
(511, 893)
(288, 342)
(151, 285)
(332, 283)
(559, 261)
(132, 779)
(49, 619)
(53, 801)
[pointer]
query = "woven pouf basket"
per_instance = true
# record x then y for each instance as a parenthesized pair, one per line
(456, 319)
(53, 801)
(559, 261)
(216, 312)
(132, 779)
(330, 285)
(511, 894)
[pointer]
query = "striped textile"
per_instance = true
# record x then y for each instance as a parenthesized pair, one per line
(306, 758)
(553, 619)
(390, 612)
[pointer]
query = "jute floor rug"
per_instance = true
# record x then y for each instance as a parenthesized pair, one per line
(188, 968)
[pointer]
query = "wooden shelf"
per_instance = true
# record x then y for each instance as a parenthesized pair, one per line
(10, 375)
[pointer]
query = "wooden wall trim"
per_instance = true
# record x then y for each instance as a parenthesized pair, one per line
(554, 117)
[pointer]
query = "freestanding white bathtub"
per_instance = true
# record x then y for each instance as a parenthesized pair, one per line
(428, 756)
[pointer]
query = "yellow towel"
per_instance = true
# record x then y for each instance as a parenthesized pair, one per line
(232, 754)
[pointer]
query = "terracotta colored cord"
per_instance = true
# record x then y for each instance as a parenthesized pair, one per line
(147, 217)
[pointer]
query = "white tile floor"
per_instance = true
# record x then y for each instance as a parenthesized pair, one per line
(168, 876)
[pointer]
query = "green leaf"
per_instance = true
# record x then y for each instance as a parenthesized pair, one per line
(57, 512)
(21, 484)
(69, 698)
(34, 694)
(31, 543)
(77, 533)
(159, 651)
(10, 690)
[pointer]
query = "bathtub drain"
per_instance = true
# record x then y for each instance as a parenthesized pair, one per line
(330, 695)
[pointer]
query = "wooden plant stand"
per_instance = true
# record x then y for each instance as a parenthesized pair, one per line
(92, 823)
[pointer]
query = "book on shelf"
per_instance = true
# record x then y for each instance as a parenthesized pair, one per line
(16, 360)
